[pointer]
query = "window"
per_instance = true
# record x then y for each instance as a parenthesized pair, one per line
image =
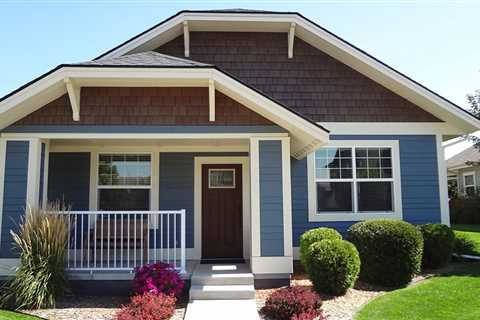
(124, 181)
(354, 181)
(469, 184)
(221, 178)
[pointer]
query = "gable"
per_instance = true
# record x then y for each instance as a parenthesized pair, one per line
(145, 106)
(311, 82)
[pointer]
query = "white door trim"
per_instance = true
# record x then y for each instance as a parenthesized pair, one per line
(199, 161)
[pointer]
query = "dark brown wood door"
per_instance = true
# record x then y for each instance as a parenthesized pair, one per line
(222, 211)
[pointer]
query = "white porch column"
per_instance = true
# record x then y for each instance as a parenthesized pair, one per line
(271, 212)
(442, 182)
(33, 184)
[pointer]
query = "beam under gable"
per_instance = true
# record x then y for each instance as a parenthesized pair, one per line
(74, 96)
(291, 39)
(186, 38)
(211, 99)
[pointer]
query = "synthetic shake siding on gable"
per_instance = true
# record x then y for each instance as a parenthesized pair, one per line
(145, 106)
(312, 83)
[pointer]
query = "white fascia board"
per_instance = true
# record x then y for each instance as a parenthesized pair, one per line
(400, 128)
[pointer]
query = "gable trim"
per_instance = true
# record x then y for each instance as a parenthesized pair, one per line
(307, 135)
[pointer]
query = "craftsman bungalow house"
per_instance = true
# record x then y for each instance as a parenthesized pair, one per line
(222, 135)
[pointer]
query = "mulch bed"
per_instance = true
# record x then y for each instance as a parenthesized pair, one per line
(92, 308)
(344, 307)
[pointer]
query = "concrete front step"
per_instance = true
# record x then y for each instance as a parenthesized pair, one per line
(222, 292)
(204, 275)
(222, 310)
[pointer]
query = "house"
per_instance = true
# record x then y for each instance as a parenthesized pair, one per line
(222, 135)
(463, 173)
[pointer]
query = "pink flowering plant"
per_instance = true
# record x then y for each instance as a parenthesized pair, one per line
(158, 278)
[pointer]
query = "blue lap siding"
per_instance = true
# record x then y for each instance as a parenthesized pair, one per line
(419, 181)
(69, 179)
(271, 198)
(15, 192)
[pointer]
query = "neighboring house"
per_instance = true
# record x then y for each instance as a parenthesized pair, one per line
(465, 177)
(260, 125)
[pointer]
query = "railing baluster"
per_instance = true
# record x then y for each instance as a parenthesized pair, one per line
(155, 238)
(135, 240)
(168, 237)
(95, 242)
(121, 241)
(101, 240)
(108, 241)
(161, 237)
(81, 243)
(69, 236)
(175, 240)
(115, 241)
(128, 240)
(148, 239)
(182, 241)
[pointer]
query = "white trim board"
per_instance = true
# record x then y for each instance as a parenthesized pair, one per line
(313, 34)
(313, 216)
(199, 161)
(442, 182)
(391, 128)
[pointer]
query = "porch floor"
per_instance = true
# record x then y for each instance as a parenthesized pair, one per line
(122, 274)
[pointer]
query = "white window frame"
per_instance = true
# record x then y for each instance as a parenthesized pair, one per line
(233, 186)
(98, 186)
(314, 216)
(465, 186)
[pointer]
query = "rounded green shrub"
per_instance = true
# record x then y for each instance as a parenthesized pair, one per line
(390, 251)
(312, 236)
(438, 242)
(334, 266)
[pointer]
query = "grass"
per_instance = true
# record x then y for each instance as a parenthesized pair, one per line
(470, 231)
(10, 315)
(450, 296)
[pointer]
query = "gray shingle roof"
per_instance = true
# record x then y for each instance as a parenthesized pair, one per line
(149, 58)
(470, 154)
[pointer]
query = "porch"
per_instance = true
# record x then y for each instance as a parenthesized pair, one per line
(164, 198)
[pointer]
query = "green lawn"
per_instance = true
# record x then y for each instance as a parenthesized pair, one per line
(470, 231)
(451, 296)
(10, 315)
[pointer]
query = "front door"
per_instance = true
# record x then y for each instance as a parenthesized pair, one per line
(222, 211)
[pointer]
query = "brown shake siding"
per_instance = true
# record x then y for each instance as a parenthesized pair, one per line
(312, 83)
(145, 106)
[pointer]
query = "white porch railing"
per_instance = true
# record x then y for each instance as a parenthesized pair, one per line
(123, 240)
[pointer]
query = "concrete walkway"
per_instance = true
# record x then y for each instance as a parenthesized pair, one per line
(222, 310)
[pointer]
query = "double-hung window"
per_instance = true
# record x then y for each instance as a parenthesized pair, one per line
(469, 183)
(124, 182)
(354, 181)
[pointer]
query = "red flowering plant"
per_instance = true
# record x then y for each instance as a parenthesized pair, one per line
(148, 306)
(293, 303)
(157, 278)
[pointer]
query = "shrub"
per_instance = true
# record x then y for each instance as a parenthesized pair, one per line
(390, 251)
(312, 236)
(148, 306)
(334, 267)
(438, 241)
(293, 303)
(158, 278)
(41, 241)
(464, 245)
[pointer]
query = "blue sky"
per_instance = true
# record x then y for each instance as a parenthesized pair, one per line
(436, 42)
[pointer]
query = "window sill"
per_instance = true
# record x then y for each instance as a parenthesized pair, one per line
(338, 216)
